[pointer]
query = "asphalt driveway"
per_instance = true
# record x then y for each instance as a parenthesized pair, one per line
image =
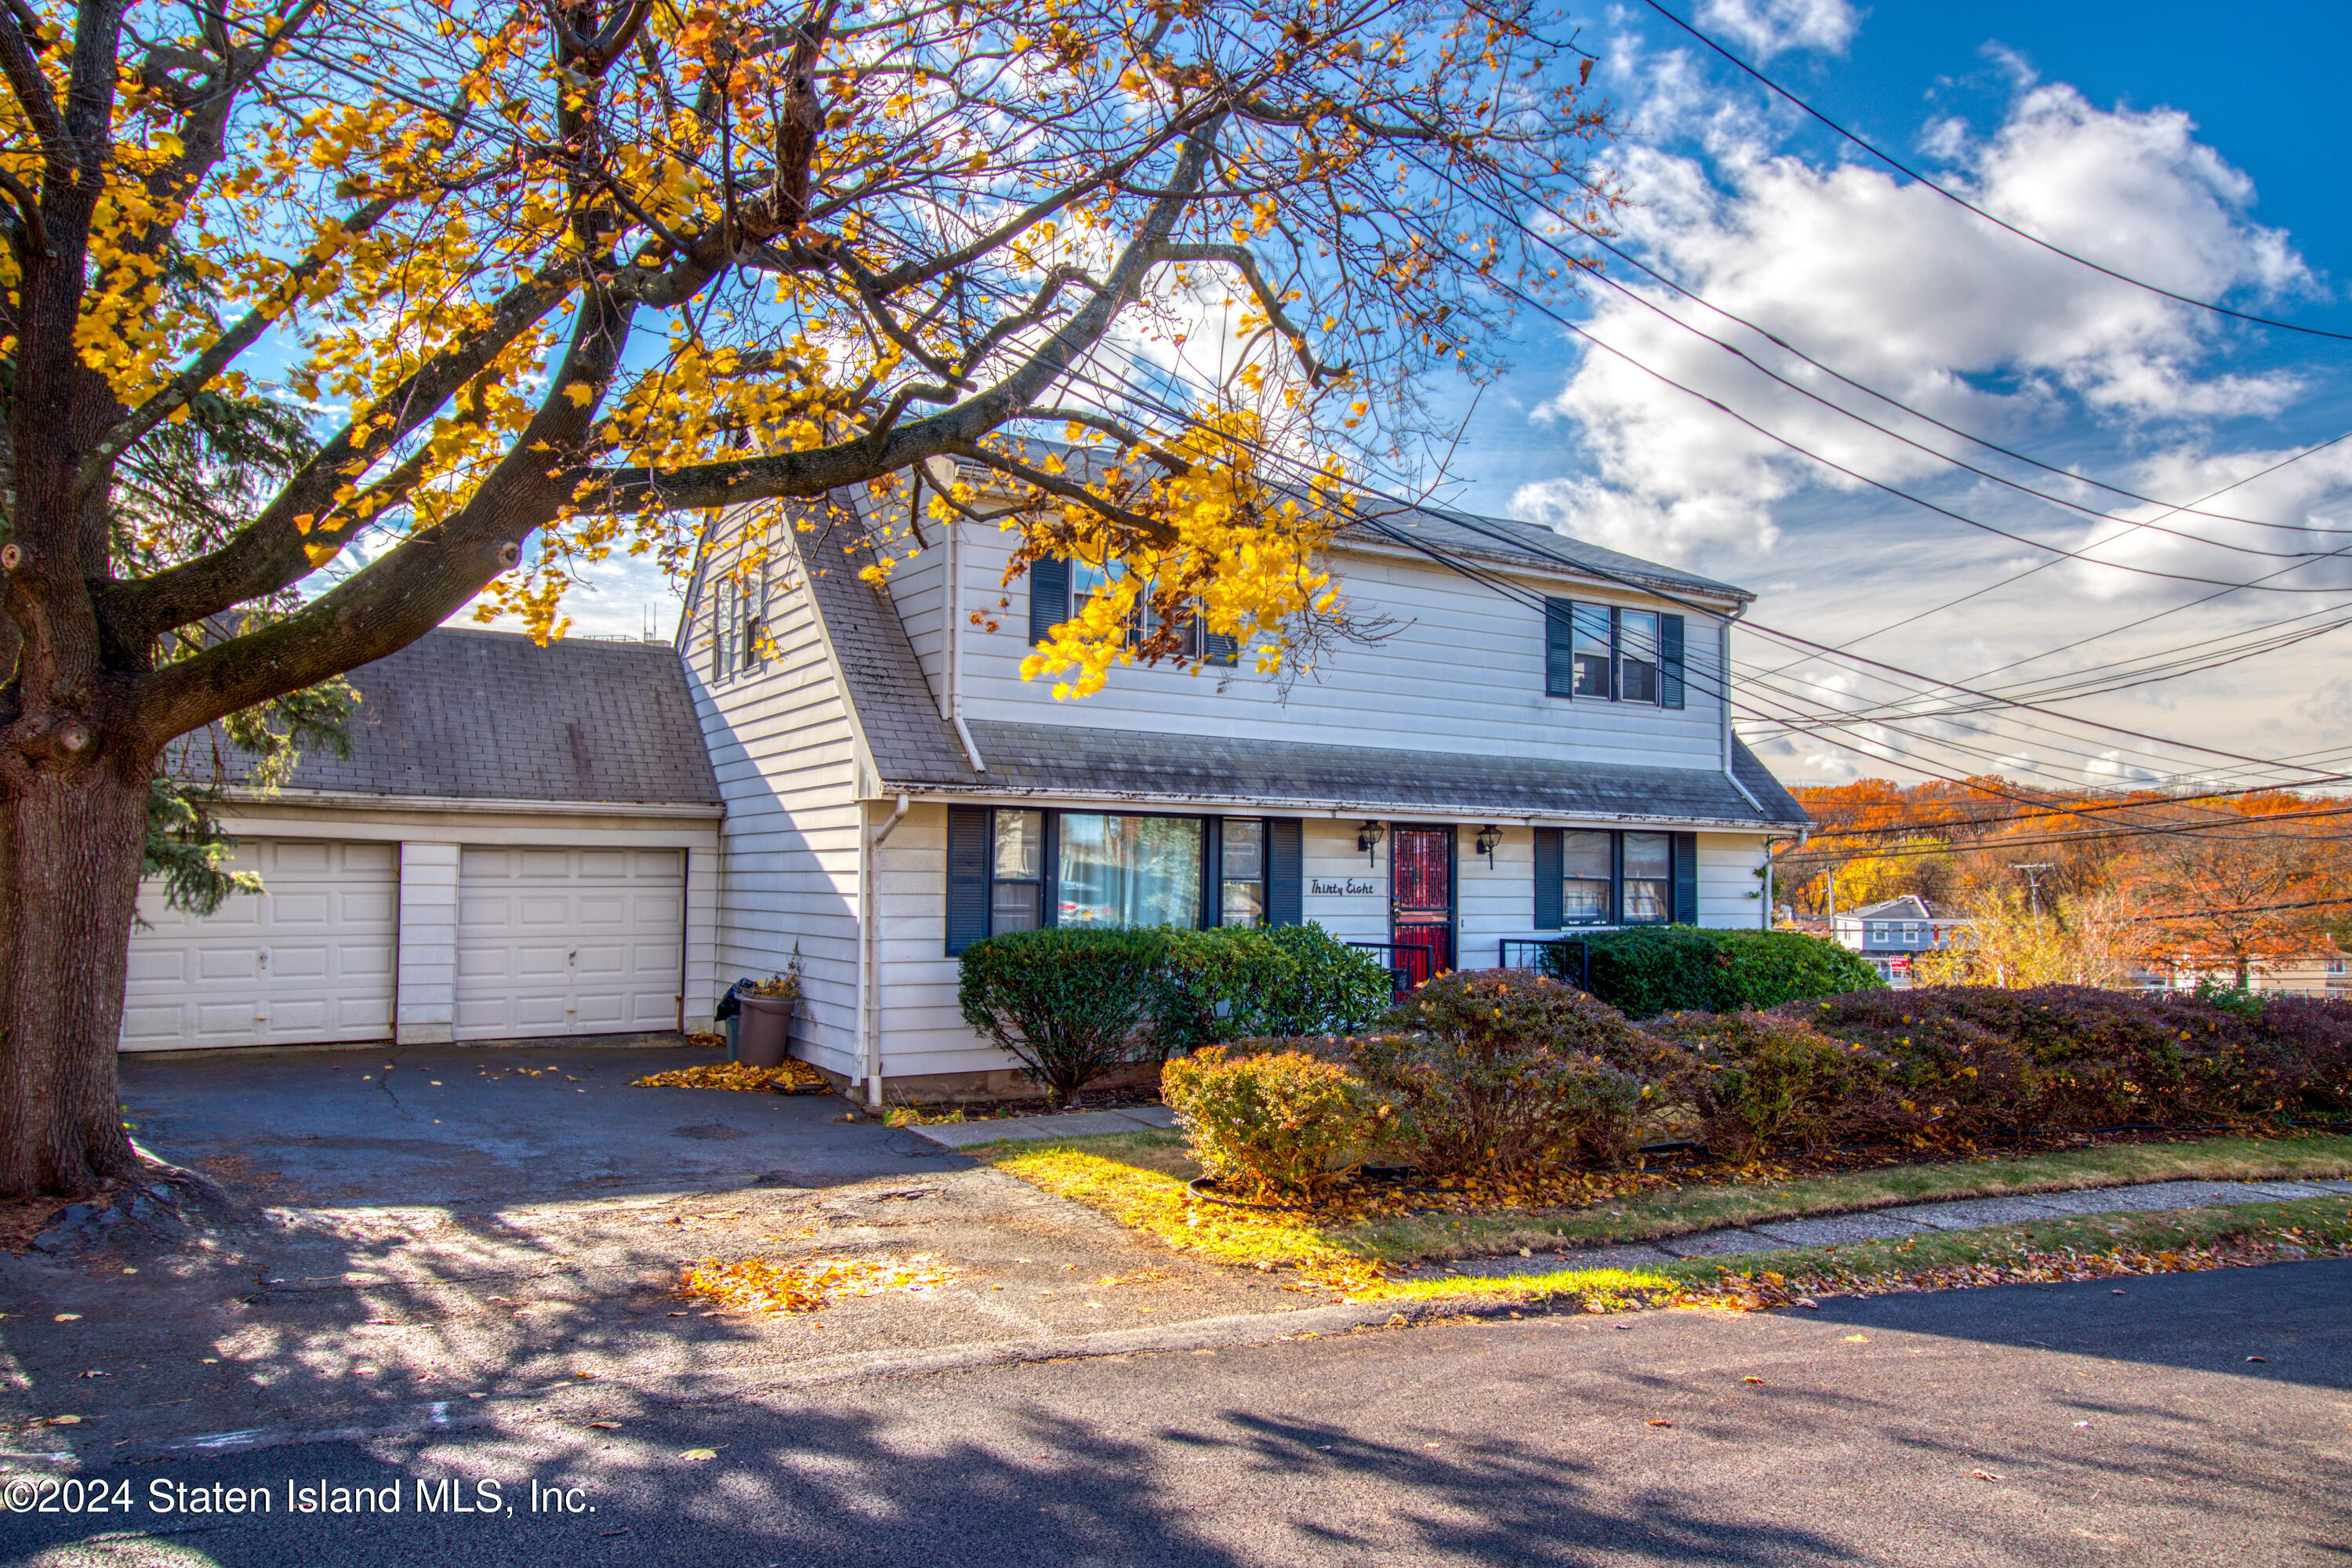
(501, 1124)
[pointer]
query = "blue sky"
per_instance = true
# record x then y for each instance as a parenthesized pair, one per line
(2191, 149)
(2200, 149)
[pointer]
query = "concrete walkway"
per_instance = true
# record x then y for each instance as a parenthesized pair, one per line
(1069, 1124)
(1889, 1224)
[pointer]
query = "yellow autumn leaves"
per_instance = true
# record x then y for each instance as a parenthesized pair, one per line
(1243, 557)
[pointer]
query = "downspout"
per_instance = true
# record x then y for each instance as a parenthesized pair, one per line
(1723, 698)
(868, 885)
(1804, 837)
(956, 618)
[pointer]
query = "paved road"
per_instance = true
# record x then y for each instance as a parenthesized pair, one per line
(452, 1124)
(2023, 1425)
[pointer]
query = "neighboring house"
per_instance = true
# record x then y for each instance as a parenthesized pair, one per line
(1893, 935)
(2320, 973)
(1494, 771)
(523, 844)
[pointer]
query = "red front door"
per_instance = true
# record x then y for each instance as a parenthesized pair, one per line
(1421, 900)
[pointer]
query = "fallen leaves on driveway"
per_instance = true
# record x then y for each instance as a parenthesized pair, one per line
(792, 1077)
(773, 1285)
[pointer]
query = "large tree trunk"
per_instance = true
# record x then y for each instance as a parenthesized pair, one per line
(69, 854)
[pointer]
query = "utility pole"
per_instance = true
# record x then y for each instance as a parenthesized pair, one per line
(2033, 870)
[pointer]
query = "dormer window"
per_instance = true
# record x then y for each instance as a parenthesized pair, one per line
(1608, 654)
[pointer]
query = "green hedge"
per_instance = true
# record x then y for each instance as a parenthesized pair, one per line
(1684, 969)
(1072, 1004)
(1068, 1005)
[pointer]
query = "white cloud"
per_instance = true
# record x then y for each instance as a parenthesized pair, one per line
(1911, 294)
(1769, 27)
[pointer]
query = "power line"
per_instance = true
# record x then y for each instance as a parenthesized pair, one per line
(1902, 168)
(1472, 523)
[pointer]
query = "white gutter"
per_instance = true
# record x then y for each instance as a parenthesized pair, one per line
(869, 971)
(1723, 703)
(1804, 837)
(1388, 811)
(354, 800)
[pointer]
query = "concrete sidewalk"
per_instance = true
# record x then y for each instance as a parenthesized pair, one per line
(1890, 1223)
(1069, 1124)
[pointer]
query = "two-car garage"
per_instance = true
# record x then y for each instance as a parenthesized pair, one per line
(548, 941)
(523, 844)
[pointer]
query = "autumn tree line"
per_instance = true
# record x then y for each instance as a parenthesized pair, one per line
(2085, 887)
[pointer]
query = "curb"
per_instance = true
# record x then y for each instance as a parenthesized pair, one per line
(460, 1414)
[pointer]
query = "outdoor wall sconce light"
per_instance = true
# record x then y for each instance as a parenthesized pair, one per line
(1489, 837)
(1368, 839)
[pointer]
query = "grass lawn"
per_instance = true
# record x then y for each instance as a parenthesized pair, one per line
(2040, 1252)
(1139, 1179)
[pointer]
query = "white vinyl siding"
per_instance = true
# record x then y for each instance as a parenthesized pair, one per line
(785, 754)
(1465, 672)
(308, 961)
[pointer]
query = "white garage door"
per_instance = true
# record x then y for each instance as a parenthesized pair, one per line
(569, 941)
(309, 959)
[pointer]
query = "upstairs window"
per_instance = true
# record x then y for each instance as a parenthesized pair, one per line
(1609, 654)
(1637, 656)
(1592, 652)
(1057, 587)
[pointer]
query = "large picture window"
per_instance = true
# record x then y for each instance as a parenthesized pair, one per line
(1014, 870)
(1116, 871)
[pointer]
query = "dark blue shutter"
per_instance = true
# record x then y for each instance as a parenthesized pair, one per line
(1282, 871)
(1212, 870)
(1216, 647)
(1550, 915)
(967, 877)
(1670, 661)
(1049, 596)
(1616, 878)
(1559, 648)
(1686, 879)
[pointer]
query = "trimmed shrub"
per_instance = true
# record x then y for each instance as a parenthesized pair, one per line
(2308, 1042)
(1334, 989)
(1986, 1058)
(1282, 1127)
(1218, 984)
(1506, 1072)
(1670, 969)
(1068, 1005)
(1762, 1084)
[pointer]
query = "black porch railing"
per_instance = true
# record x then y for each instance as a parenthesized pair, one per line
(1567, 958)
(1408, 965)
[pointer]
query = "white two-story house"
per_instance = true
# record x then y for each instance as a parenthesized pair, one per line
(1541, 747)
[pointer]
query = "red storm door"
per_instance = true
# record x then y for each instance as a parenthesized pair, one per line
(1421, 900)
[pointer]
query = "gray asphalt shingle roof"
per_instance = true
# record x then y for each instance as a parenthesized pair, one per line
(1452, 532)
(476, 715)
(1065, 759)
